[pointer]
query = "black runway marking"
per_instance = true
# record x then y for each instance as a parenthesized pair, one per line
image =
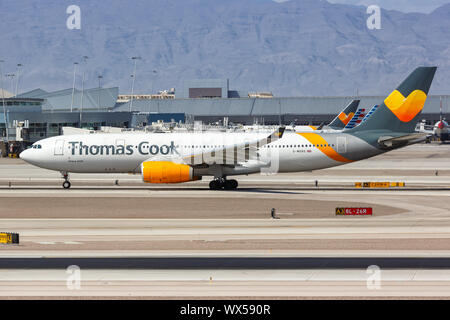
(225, 263)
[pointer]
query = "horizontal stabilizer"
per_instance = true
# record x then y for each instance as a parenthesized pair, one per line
(395, 142)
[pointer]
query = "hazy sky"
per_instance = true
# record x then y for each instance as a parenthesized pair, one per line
(425, 6)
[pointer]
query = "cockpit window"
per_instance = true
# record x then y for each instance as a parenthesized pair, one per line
(36, 146)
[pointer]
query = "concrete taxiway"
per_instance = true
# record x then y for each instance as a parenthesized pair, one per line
(118, 219)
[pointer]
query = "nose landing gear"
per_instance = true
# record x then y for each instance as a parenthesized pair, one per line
(222, 183)
(66, 184)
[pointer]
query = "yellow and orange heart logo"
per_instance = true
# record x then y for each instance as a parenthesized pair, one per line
(405, 109)
(346, 118)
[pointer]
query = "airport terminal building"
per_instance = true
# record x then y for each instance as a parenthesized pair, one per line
(42, 114)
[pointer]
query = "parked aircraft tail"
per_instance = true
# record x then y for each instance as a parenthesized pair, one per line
(367, 116)
(345, 116)
(356, 120)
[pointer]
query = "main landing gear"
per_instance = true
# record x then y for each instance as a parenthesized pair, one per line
(222, 183)
(66, 184)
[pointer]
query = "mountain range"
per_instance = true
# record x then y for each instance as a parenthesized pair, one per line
(292, 48)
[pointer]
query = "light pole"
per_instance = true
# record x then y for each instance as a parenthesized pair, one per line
(11, 76)
(73, 85)
(82, 88)
(19, 65)
(99, 87)
(3, 99)
(134, 78)
(153, 80)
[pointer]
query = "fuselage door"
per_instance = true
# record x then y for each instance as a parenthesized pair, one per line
(341, 144)
(59, 147)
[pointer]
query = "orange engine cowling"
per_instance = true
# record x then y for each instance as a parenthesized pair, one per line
(166, 172)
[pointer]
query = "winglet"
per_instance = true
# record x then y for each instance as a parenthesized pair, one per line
(276, 135)
(280, 132)
(321, 126)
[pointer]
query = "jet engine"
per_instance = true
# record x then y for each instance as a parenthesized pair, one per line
(166, 172)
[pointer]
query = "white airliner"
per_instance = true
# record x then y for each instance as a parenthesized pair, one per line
(183, 157)
(441, 129)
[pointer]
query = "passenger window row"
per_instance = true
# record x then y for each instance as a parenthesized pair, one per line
(300, 146)
(266, 146)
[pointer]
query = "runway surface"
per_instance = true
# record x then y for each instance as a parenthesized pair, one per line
(145, 241)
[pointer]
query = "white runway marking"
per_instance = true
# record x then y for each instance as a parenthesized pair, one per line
(225, 275)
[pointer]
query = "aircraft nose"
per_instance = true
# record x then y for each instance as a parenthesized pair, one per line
(25, 155)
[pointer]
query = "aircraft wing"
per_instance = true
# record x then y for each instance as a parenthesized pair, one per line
(232, 154)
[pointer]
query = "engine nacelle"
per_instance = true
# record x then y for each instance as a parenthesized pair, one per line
(166, 172)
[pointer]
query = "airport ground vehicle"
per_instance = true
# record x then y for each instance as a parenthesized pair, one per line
(14, 149)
